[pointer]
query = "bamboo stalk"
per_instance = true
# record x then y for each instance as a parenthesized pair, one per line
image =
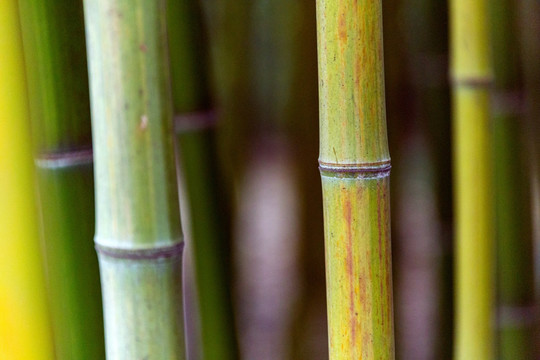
(515, 265)
(24, 323)
(53, 34)
(138, 232)
(427, 34)
(472, 75)
(529, 21)
(355, 164)
(233, 76)
(195, 122)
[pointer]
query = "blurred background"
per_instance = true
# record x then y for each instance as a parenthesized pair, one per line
(254, 63)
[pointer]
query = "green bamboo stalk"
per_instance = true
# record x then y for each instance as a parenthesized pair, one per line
(195, 122)
(471, 73)
(24, 320)
(138, 232)
(53, 36)
(515, 275)
(355, 164)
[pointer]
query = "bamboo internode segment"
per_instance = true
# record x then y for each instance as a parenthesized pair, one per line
(355, 166)
(471, 71)
(351, 82)
(143, 309)
(470, 46)
(137, 204)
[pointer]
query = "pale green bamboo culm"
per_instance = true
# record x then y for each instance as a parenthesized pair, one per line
(55, 57)
(138, 232)
(195, 121)
(471, 73)
(355, 168)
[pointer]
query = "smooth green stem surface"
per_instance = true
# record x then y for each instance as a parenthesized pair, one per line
(54, 44)
(472, 74)
(138, 232)
(142, 307)
(210, 231)
(72, 268)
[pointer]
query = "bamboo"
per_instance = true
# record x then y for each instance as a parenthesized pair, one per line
(515, 275)
(355, 164)
(138, 232)
(195, 122)
(53, 35)
(529, 20)
(24, 322)
(471, 73)
(232, 85)
(427, 34)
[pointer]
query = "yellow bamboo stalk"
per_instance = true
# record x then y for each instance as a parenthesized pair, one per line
(24, 324)
(355, 168)
(471, 72)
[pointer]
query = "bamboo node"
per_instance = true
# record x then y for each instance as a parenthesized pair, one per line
(175, 250)
(472, 81)
(195, 121)
(64, 159)
(373, 170)
(517, 316)
(508, 102)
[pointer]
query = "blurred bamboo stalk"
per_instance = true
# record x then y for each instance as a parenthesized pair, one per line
(529, 22)
(138, 232)
(54, 44)
(232, 83)
(515, 265)
(355, 167)
(472, 77)
(24, 324)
(195, 125)
(427, 34)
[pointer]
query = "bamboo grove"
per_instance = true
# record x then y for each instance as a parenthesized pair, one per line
(159, 195)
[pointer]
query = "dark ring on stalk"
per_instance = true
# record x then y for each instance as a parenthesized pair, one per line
(65, 159)
(195, 121)
(142, 254)
(473, 81)
(365, 170)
